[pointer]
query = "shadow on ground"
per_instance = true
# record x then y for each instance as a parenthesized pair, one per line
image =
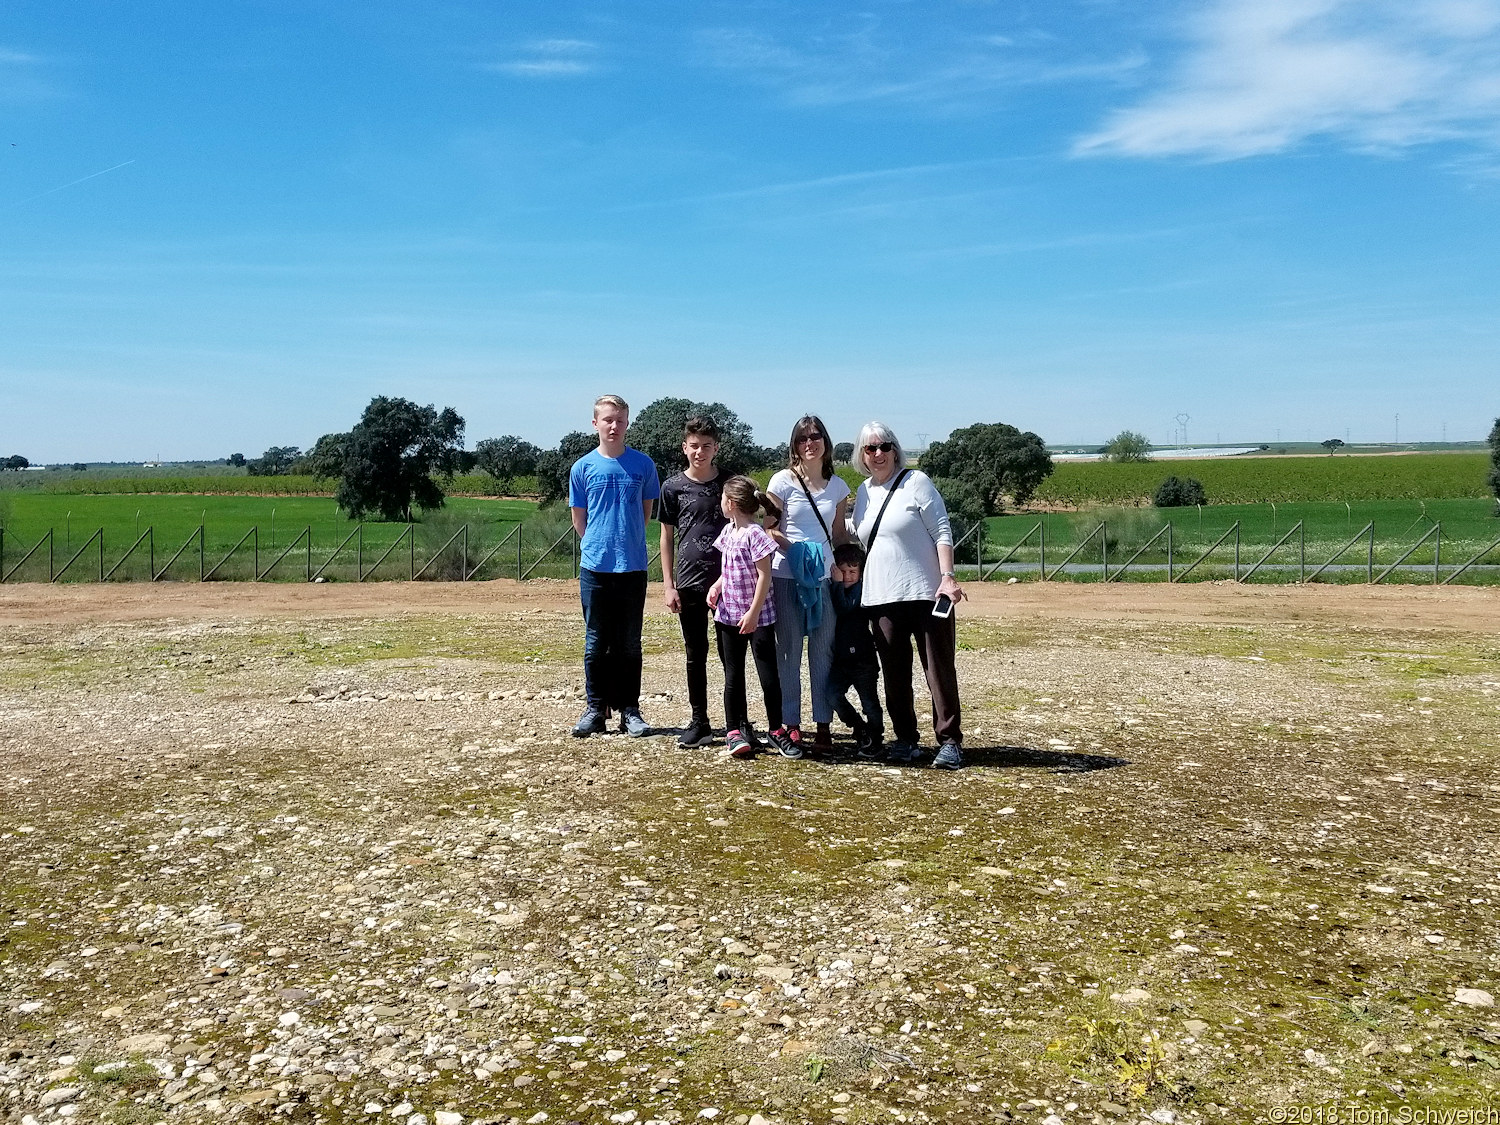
(975, 757)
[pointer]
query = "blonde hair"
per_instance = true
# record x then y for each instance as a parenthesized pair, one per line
(610, 400)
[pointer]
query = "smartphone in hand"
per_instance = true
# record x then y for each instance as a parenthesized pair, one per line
(943, 607)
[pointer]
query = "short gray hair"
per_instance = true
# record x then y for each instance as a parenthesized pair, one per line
(873, 433)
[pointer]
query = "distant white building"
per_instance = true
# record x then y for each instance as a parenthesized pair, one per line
(1199, 452)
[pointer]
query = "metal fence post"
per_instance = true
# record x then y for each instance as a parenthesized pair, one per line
(1437, 550)
(1169, 552)
(1042, 566)
(1370, 557)
(1104, 549)
(201, 562)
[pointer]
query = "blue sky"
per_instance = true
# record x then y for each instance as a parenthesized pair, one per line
(227, 226)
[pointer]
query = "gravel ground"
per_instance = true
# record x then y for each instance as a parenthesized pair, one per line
(350, 868)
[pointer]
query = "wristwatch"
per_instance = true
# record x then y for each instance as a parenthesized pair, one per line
(950, 574)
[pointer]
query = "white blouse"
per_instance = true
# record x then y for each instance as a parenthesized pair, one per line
(903, 564)
(799, 523)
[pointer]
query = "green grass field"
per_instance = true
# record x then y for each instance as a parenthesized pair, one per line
(223, 482)
(1249, 480)
(1467, 527)
(226, 519)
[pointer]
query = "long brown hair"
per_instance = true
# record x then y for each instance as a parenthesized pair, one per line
(807, 425)
(747, 497)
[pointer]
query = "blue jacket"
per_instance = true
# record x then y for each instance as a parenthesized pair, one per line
(805, 561)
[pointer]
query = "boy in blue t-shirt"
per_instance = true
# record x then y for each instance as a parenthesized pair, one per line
(611, 491)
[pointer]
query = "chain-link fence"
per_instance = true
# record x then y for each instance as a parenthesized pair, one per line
(545, 546)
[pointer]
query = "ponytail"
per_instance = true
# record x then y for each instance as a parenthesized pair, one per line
(747, 497)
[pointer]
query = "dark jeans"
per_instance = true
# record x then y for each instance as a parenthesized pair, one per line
(732, 646)
(897, 626)
(865, 680)
(613, 608)
(693, 617)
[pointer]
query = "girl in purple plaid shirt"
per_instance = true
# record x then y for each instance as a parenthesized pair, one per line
(744, 613)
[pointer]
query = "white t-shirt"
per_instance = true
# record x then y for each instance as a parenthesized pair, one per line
(798, 521)
(903, 564)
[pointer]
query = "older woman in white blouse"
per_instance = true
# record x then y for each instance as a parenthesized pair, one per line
(903, 524)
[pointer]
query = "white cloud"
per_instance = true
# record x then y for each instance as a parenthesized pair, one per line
(550, 58)
(23, 78)
(868, 64)
(1263, 76)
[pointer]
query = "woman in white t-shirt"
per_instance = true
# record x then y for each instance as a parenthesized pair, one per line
(814, 503)
(908, 573)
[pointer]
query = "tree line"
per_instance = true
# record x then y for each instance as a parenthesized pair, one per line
(399, 455)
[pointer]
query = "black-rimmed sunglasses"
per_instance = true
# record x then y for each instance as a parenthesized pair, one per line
(880, 447)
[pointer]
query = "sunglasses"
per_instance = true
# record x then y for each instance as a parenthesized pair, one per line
(880, 447)
(805, 438)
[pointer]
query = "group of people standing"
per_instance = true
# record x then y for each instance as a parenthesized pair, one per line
(857, 580)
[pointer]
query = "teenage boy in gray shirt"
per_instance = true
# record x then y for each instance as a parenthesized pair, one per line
(691, 517)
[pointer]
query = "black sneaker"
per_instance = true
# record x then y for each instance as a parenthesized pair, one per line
(903, 753)
(869, 744)
(788, 740)
(697, 733)
(590, 722)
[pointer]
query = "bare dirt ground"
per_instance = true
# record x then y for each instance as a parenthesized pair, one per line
(327, 854)
(1450, 608)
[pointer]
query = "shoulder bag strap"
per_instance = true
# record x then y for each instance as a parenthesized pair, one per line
(821, 522)
(880, 515)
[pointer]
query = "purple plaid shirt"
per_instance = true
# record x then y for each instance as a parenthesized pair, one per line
(741, 550)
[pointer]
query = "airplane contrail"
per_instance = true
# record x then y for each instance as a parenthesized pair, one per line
(71, 183)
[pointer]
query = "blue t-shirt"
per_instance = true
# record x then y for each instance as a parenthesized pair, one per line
(613, 490)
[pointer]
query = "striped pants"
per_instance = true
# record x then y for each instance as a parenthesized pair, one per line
(791, 627)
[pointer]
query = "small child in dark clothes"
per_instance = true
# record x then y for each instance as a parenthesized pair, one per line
(854, 660)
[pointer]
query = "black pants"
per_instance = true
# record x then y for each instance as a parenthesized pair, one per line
(865, 680)
(732, 645)
(899, 626)
(693, 617)
(613, 608)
